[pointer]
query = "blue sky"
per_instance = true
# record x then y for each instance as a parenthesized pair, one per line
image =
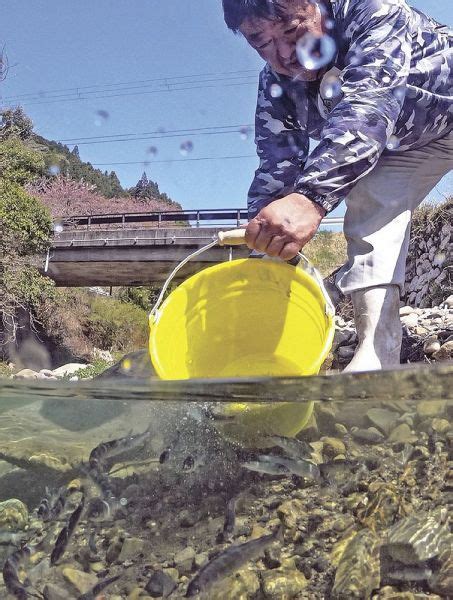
(60, 45)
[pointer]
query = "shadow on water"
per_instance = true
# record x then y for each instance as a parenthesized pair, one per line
(139, 484)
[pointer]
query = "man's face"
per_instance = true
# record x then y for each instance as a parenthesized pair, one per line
(275, 39)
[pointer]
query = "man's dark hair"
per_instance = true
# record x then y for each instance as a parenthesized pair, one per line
(236, 11)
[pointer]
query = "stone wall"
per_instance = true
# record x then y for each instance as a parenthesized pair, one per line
(429, 267)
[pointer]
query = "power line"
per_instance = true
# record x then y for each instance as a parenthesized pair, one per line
(101, 85)
(158, 131)
(171, 160)
(168, 89)
(158, 137)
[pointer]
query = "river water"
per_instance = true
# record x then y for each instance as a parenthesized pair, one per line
(128, 488)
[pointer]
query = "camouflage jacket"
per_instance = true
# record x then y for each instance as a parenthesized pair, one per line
(395, 67)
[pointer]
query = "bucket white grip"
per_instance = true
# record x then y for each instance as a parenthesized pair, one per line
(236, 237)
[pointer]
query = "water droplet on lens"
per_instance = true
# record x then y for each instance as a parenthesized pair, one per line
(399, 93)
(58, 227)
(186, 147)
(329, 23)
(314, 52)
(393, 142)
(332, 86)
(152, 150)
(245, 132)
(54, 170)
(276, 90)
(101, 117)
(126, 364)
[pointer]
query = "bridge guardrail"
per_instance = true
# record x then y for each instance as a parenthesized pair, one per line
(199, 218)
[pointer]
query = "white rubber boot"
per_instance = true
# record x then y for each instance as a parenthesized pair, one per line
(378, 325)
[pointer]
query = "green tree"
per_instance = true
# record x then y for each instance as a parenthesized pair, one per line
(19, 163)
(25, 229)
(15, 123)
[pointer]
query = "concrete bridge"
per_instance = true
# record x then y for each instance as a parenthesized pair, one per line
(139, 248)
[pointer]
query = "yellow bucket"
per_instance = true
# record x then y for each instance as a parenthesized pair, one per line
(246, 318)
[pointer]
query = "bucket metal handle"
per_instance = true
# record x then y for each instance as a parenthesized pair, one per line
(236, 237)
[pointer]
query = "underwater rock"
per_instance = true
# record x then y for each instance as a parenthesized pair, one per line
(83, 582)
(332, 447)
(53, 592)
(282, 584)
(133, 548)
(385, 506)
(383, 419)
(51, 462)
(402, 434)
(290, 512)
(431, 408)
(160, 584)
(369, 436)
(417, 538)
(358, 572)
(13, 514)
(442, 581)
(243, 585)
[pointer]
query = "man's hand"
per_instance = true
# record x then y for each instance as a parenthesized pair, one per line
(284, 226)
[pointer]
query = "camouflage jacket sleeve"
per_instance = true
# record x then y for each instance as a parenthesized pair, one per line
(378, 37)
(282, 145)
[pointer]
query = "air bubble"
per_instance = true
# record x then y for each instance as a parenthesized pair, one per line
(276, 90)
(314, 52)
(186, 147)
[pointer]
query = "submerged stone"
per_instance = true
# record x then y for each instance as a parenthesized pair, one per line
(282, 584)
(383, 419)
(358, 572)
(83, 582)
(160, 584)
(417, 538)
(13, 514)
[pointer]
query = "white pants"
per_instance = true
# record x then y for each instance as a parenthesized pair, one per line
(379, 211)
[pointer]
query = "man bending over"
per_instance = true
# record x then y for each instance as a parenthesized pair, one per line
(371, 81)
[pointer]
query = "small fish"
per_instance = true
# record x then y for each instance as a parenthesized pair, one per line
(278, 465)
(189, 463)
(11, 573)
(266, 468)
(92, 594)
(229, 561)
(52, 504)
(65, 534)
(293, 447)
(101, 509)
(92, 543)
(165, 455)
(12, 538)
(230, 519)
(107, 450)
